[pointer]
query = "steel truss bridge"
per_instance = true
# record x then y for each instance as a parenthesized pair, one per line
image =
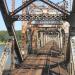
(47, 39)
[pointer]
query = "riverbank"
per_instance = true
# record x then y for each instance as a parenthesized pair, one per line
(3, 43)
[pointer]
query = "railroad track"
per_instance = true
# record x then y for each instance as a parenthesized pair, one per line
(31, 66)
(42, 64)
(54, 66)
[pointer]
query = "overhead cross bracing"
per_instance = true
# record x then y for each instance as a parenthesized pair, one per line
(45, 1)
(45, 34)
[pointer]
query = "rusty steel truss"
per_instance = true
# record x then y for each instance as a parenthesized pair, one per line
(10, 17)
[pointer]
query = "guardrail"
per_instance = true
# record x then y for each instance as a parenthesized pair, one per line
(4, 56)
(72, 57)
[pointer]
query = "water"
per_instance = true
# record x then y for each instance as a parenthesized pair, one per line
(1, 50)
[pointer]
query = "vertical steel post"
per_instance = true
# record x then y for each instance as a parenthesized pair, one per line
(24, 30)
(12, 54)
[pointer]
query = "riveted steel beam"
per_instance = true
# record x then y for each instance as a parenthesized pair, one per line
(21, 7)
(7, 19)
(9, 24)
(38, 17)
(50, 3)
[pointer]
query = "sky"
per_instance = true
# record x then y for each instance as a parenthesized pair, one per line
(18, 24)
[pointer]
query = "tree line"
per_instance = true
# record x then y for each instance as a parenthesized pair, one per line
(4, 36)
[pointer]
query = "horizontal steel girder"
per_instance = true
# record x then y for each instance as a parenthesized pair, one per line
(47, 22)
(38, 17)
(54, 19)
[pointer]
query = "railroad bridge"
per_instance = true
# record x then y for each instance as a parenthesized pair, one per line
(47, 37)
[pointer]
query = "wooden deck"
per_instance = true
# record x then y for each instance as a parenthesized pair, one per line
(52, 64)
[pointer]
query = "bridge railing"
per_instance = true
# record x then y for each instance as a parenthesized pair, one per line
(72, 58)
(72, 67)
(4, 57)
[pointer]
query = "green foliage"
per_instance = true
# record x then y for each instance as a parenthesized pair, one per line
(18, 34)
(4, 36)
